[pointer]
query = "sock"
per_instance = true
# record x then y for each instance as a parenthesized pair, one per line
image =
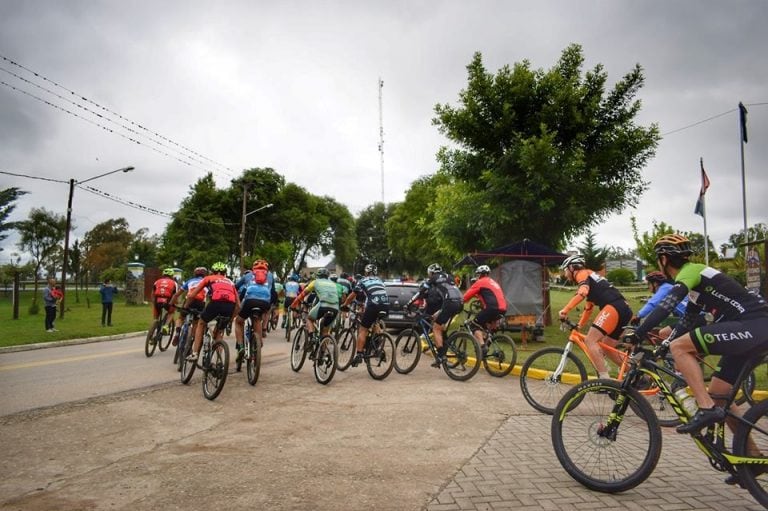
(603, 375)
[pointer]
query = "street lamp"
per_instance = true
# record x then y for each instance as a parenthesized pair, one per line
(65, 265)
(242, 228)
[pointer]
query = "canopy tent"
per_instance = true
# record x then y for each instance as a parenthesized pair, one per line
(525, 250)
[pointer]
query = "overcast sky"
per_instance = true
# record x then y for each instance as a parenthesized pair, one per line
(294, 86)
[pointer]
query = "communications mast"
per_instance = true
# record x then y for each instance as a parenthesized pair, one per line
(381, 138)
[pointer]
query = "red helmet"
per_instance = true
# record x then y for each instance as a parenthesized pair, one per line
(260, 264)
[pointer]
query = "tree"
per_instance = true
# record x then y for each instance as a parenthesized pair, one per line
(758, 231)
(106, 245)
(594, 258)
(41, 235)
(371, 238)
(7, 198)
(544, 154)
(646, 241)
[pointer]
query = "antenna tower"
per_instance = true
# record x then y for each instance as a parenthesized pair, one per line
(381, 138)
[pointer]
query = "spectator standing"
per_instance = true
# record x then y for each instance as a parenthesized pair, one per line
(107, 292)
(51, 297)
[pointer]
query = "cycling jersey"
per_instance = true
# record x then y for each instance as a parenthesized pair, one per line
(372, 288)
(164, 288)
(191, 284)
(656, 299)
(292, 289)
(599, 291)
(489, 292)
(437, 290)
(220, 288)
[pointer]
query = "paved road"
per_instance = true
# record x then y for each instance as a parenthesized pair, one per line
(419, 441)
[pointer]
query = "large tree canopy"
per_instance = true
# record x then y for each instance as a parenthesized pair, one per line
(8, 197)
(539, 154)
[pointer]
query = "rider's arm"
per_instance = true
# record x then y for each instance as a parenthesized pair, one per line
(350, 297)
(472, 291)
(193, 292)
(304, 292)
(663, 309)
(580, 295)
(586, 314)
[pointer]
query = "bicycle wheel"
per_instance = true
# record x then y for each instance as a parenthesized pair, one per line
(501, 356)
(187, 367)
(165, 339)
(247, 336)
(605, 454)
(541, 387)
(325, 360)
(462, 356)
(345, 349)
(253, 360)
(663, 409)
(150, 344)
(380, 356)
(273, 321)
(180, 346)
(215, 375)
(755, 385)
(407, 351)
(298, 353)
(753, 476)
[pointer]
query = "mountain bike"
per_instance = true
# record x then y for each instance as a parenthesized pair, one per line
(321, 349)
(549, 372)
(213, 360)
(607, 437)
(185, 334)
(347, 338)
(462, 353)
(499, 352)
(156, 338)
(379, 349)
(250, 352)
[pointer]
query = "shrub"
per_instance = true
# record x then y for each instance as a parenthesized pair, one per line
(621, 276)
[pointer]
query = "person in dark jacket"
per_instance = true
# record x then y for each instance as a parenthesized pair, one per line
(107, 292)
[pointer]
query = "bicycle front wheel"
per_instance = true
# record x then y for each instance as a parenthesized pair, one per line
(753, 476)
(407, 351)
(381, 356)
(462, 356)
(253, 361)
(501, 356)
(598, 445)
(542, 385)
(215, 375)
(325, 360)
(298, 353)
(151, 344)
(345, 349)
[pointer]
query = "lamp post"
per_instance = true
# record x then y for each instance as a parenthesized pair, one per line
(242, 228)
(65, 264)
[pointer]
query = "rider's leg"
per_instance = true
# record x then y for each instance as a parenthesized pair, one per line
(239, 336)
(198, 337)
(595, 353)
(684, 352)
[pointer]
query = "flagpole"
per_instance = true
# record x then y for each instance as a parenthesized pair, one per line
(704, 216)
(743, 138)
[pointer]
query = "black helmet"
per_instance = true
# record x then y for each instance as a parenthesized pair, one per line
(656, 277)
(322, 273)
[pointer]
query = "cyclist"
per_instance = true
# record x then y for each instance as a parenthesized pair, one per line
(659, 285)
(279, 299)
(255, 292)
(224, 301)
(739, 332)
(614, 313)
(292, 289)
(163, 290)
(327, 300)
(371, 289)
(443, 302)
(494, 304)
(197, 303)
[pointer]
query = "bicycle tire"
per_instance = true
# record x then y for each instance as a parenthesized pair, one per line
(298, 353)
(407, 351)
(613, 463)
(288, 325)
(325, 360)
(247, 335)
(253, 361)
(165, 339)
(180, 346)
(345, 349)
(462, 356)
(150, 345)
(215, 375)
(187, 366)
(273, 320)
(380, 356)
(539, 386)
(755, 385)
(501, 356)
(750, 476)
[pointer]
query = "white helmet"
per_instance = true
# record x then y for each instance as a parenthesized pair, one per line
(577, 260)
(434, 268)
(483, 269)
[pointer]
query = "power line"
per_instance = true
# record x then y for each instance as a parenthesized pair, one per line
(711, 118)
(34, 177)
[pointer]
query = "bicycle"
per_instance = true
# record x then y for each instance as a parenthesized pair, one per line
(250, 351)
(320, 348)
(554, 370)
(213, 360)
(155, 336)
(499, 352)
(347, 340)
(462, 353)
(378, 350)
(607, 437)
(185, 334)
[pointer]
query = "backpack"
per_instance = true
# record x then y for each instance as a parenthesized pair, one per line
(260, 276)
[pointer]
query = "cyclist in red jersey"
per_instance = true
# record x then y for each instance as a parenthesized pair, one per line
(614, 313)
(224, 301)
(494, 304)
(162, 292)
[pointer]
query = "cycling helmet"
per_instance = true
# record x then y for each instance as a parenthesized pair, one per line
(358, 276)
(483, 269)
(656, 276)
(219, 267)
(169, 272)
(201, 271)
(344, 275)
(673, 244)
(322, 273)
(574, 259)
(434, 268)
(260, 264)
(371, 269)
(334, 277)
(294, 277)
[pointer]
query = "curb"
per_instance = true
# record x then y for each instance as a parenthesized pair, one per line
(67, 342)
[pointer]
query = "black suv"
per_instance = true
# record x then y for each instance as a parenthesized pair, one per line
(399, 293)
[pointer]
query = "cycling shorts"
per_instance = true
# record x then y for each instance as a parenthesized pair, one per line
(319, 310)
(449, 309)
(739, 343)
(214, 309)
(159, 306)
(488, 315)
(195, 305)
(612, 319)
(371, 313)
(247, 307)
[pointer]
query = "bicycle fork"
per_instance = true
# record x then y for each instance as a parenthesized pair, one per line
(558, 372)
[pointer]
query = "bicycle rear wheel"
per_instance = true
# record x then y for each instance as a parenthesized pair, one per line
(380, 357)
(187, 367)
(541, 387)
(150, 344)
(753, 476)
(325, 360)
(605, 454)
(164, 341)
(298, 353)
(180, 346)
(253, 360)
(215, 375)
(407, 351)
(462, 356)
(345, 348)
(755, 385)
(501, 356)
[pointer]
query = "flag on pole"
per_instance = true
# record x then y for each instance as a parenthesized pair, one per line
(743, 121)
(699, 210)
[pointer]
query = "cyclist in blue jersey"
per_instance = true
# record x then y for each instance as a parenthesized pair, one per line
(256, 291)
(197, 303)
(292, 288)
(371, 288)
(660, 286)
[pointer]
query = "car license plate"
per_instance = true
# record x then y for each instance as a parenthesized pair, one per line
(395, 316)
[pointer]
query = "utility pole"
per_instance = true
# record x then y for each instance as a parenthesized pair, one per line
(381, 137)
(242, 228)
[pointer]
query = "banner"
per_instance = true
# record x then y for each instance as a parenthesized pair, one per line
(699, 209)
